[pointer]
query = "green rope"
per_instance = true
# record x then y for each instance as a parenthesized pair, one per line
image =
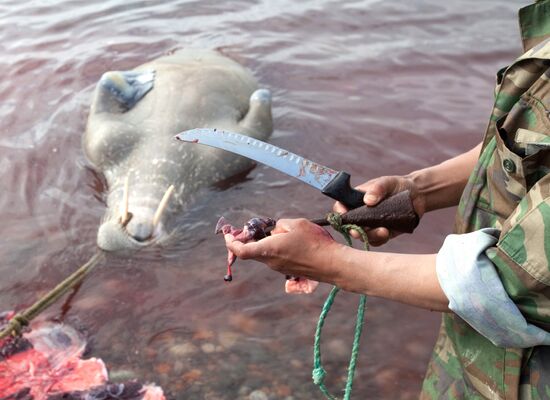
(318, 374)
(20, 320)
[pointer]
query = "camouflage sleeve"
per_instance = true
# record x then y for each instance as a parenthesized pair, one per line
(476, 293)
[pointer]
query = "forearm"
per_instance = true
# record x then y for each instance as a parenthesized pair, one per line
(406, 278)
(442, 185)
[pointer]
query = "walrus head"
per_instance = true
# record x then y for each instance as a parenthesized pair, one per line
(129, 138)
(117, 93)
(132, 221)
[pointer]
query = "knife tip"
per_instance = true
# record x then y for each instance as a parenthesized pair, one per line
(188, 140)
(184, 136)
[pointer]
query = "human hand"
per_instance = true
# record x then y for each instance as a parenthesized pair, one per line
(296, 247)
(378, 189)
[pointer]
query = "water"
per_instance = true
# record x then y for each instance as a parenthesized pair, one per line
(372, 87)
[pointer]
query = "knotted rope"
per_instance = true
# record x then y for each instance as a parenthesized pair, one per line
(319, 373)
(20, 320)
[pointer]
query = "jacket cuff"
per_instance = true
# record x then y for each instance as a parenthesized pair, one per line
(476, 294)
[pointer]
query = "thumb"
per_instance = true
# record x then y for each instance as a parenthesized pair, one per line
(243, 250)
(377, 189)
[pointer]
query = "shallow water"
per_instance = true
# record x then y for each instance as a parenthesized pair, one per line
(372, 87)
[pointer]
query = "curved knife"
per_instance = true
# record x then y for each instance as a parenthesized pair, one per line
(393, 214)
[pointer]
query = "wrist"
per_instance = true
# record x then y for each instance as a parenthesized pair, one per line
(332, 262)
(437, 187)
(420, 182)
(442, 185)
(352, 275)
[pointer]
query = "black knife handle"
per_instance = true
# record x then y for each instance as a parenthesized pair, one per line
(340, 189)
(395, 213)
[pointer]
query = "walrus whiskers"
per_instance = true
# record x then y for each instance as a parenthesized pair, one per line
(125, 216)
(162, 205)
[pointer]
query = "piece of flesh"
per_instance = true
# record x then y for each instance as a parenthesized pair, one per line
(300, 285)
(45, 364)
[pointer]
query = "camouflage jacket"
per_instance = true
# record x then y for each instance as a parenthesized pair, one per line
(508, 190)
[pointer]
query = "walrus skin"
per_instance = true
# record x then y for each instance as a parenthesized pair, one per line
(130, 133)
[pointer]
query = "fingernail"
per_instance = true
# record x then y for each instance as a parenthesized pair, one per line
(371, 198)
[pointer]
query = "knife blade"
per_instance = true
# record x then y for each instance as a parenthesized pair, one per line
(332, 183)
(395, 212)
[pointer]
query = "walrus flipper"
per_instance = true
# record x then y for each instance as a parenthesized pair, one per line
(258, 118)
(124, 89)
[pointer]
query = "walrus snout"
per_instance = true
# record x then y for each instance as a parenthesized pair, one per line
(135, 227)
(112, 236)
(139, 231)
(141, 226)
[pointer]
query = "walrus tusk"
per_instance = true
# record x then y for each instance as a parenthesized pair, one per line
(125, 217)
(162, 205)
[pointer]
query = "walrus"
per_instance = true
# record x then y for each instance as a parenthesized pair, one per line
(129, 137)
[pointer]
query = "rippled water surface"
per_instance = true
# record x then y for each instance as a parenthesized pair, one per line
(372, 87)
